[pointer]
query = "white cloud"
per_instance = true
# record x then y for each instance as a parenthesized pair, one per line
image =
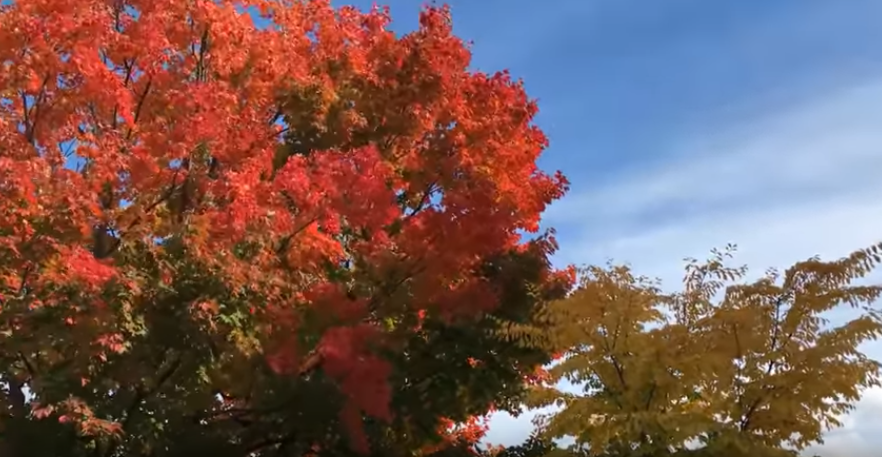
(800, 182)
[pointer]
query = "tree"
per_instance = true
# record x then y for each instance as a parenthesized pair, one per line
(256, 240)
(740, 368)
(533, 446)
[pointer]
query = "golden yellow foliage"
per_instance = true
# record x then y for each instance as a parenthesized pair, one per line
(754, 366)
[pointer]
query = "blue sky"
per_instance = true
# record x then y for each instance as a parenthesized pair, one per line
(687, 124)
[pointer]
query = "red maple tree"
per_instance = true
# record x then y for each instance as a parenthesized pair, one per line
(307, 191)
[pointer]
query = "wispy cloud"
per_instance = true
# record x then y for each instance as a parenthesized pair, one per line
(796, 182)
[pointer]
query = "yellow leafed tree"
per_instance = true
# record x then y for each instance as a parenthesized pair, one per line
(724, 365)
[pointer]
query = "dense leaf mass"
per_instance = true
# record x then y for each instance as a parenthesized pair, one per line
(242, 226)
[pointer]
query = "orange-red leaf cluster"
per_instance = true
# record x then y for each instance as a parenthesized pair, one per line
(312, 138)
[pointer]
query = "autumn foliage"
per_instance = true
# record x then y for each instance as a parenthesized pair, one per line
(230, 226)
(275, 228)
(722, 367)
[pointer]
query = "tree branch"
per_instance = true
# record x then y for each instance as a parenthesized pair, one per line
(773, 346)
(162, 198)
(142, 393)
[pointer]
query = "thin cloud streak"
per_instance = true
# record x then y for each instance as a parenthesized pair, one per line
(823, 147)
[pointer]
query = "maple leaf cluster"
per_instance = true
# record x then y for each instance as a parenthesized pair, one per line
(201, 199)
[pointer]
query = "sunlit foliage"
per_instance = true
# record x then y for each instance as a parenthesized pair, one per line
(725, 366)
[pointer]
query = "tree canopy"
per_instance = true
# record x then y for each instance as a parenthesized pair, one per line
(272, 228)
(299, 237)
(727, 366)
